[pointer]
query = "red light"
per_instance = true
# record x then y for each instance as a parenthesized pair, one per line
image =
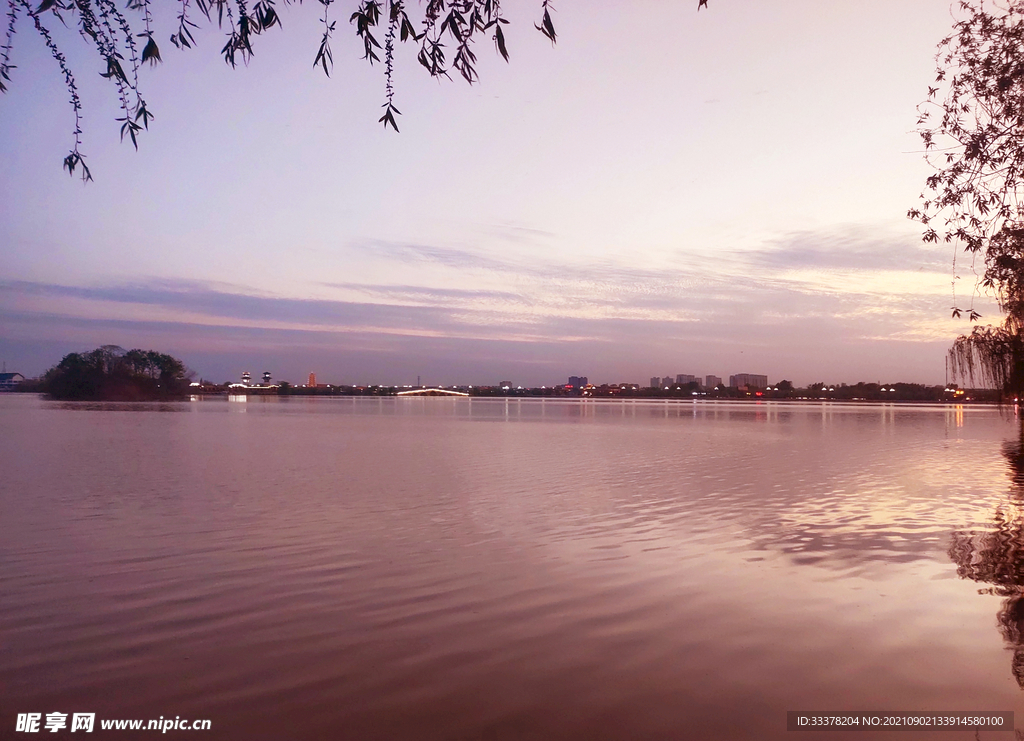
(758, 393)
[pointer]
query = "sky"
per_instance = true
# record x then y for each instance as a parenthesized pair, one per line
(663, 191)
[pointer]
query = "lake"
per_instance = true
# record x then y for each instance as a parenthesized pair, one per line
(436, 568)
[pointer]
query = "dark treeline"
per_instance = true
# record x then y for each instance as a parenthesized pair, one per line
(909, 392)
(110, 373)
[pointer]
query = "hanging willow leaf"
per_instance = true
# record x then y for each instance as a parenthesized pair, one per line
(499, 40)
(444, 35)
(150, 52)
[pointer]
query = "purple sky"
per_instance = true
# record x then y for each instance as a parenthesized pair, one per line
(662, 192)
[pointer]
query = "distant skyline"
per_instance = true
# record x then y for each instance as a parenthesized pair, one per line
(665, 192)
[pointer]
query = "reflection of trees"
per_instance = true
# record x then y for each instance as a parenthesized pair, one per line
(997, 557)
(1013, 450)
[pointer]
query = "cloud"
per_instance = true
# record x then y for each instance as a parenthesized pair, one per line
(850, 248)
(427, 295)
(793, 297)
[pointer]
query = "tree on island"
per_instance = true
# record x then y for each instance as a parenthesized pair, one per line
(109, 373)
(972, 127)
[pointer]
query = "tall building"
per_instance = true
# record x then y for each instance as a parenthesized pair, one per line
(748, 380)
(246, 378)
(266, 378)
(684, 378)
(655, 382)
(577, 381)
(712, 382)
(667, 381)
(312, 380)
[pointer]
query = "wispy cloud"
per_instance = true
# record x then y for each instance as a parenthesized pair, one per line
(851, 248)
(797, 294)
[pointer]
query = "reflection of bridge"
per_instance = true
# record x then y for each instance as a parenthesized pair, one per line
(431, 392)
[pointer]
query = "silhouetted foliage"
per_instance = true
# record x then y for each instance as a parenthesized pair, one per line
(994, 354)
(972, 127)
(445, 33)
(109, 373)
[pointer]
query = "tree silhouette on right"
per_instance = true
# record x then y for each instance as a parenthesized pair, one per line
(972, 128)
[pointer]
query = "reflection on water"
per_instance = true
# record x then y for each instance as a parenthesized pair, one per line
(313, 568)
(997, 556)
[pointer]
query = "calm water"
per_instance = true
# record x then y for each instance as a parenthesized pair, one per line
(454, 569)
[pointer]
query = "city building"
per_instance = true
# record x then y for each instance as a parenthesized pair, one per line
(667, 381)
(684, 378)
(312, 380)
(577, 382)
(748, 381)
(266, 378)
(246, 379)
(712, 382)
(655, 382)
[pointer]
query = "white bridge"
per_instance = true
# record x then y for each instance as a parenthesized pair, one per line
(431, 392)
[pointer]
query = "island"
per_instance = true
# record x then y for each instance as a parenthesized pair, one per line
(111, 373)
